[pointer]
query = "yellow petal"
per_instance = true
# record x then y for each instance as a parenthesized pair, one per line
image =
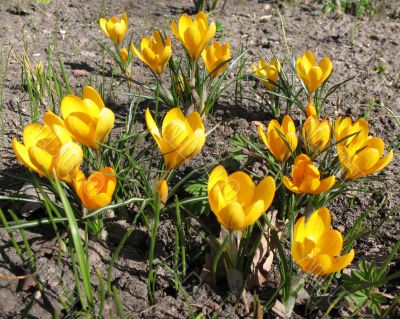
(298, 252)
(382, 163)
(22, 155)
(103, 23)
(325, 184)
(318, 223)
(41, 159)
(153, 129)
(265, 191)
(217, 174)
(242, 188)
(172, 115)
(290, 185)
(317, 265)
(330, 243)
(299, 230)
(68, 161)
(104, 125)
(340, 263)
(232, 217)
(254, 212)
(36, 132)
(90, 93)
(72, 104)
(81, 125)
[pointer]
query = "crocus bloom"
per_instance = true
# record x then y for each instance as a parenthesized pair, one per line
(96, 191)
(316, 247)
(347, 132)
(115, 28)
(306, 177)
(215, 58)
(194, 34)
(316, 134)
(310, 109)
(162, 190)
(124, 54)
(267, 71)
(234, 199)
(49, 147)
(155, 53)
(360, 155)
(274, 138)
(180, 138)
(87, 118)
(311, 73)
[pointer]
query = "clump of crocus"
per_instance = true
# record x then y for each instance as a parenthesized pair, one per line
(96, 191)
(87, 118)
(306, 178)
(194, 34)
(360, 155)
(311, 73)
(235, 200)
(268, 73)
(154, 52)
(281, 140)
(316, 247)
(49, 147)
(215, 58)
(180, 139)
(115, 28)
(316, 134)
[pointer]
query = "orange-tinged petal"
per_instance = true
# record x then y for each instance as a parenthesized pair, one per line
(290, 185)
(326, 184)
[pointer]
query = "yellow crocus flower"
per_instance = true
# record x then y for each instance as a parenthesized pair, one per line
(316, 134)
(49, 147)
(96, 191)
(274, 139)
(313, 74)
(180, 139)
(194, 34)
(215, 58)
(360, 155)
(154, 52)
(234, 199)
(306, 178)
(316, 247)
(87, 118)
(115, 28)
(268, 73)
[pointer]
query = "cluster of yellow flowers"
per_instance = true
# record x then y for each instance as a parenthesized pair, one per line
(52, 147)
(155, 51)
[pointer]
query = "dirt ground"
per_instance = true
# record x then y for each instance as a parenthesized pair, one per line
(368, 48)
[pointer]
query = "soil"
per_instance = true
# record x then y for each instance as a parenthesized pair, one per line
(367, 48)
